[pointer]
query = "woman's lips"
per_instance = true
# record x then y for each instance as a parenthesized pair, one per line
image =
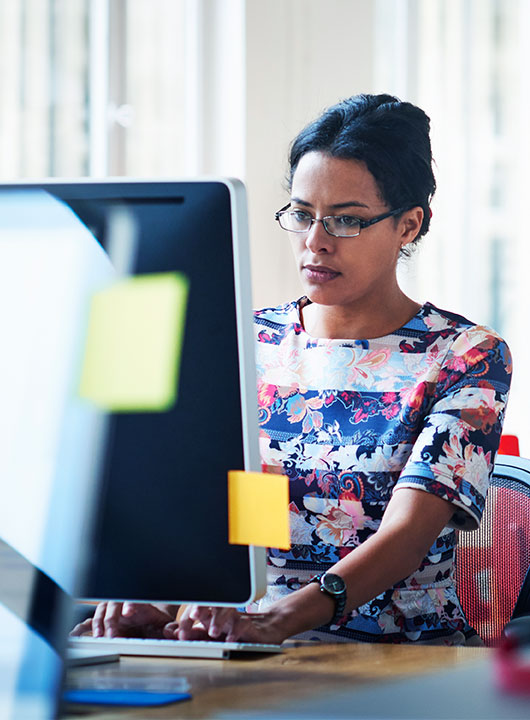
(319, 273)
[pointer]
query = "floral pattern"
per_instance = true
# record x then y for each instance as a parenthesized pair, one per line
(348, 421)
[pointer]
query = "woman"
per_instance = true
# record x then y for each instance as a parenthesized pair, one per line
(386, 414)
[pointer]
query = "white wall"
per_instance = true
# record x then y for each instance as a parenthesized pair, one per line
(302, 56)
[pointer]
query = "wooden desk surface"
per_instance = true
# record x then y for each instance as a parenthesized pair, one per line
(267, 683)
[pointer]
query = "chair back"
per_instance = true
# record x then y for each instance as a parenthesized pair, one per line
(492, 561)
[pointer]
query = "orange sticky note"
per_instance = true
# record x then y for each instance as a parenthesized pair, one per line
(258, 509)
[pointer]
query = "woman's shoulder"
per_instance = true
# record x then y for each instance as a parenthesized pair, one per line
(284, 314)
(434, 318)
(275, 325)
(453, 325)
(469, 343)
(454, 341)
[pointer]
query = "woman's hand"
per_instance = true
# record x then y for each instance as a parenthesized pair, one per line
(228, 624)
(127, 619)
(297, 612)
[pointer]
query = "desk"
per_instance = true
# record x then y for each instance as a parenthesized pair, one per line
(222, 688)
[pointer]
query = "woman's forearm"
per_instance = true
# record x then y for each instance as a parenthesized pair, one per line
(395, 551)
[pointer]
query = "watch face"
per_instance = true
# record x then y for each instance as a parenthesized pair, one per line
(333, 583)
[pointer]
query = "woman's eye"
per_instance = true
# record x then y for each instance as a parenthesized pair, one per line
(346, 220)
(300, 216)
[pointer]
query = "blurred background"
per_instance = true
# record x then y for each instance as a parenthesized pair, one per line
(180, 88)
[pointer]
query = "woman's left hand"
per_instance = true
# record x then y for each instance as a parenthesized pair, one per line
(228, 624)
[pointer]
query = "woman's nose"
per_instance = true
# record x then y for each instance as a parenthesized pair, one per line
(317, 239)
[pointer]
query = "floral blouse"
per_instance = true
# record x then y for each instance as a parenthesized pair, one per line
(348, 421)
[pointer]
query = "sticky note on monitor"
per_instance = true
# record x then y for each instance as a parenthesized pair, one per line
(258, 509)
(134, 342)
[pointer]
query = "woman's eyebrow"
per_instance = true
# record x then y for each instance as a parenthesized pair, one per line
(338, 206)
(335, 206)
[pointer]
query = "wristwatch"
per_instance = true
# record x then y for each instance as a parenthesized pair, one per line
(334, 586)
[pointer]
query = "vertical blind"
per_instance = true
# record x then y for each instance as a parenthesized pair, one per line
(53, 59)
(465, 62)
(44, 89)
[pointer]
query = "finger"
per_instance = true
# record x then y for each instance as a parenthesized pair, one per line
(171, 631)
(130, 618)
(82, 628)
(185, 623)
(236, 630)
(201, 615)
(111, 621)
(139, 619)
(130, 609)
(197, 632)
(222, 621)
(98, 627)
(193, 623)
(141, 613)
(152, 614)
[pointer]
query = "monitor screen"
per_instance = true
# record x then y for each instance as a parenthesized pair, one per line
(161, 528)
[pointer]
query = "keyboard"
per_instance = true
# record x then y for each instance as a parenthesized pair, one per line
(154, 647)
(76, 656)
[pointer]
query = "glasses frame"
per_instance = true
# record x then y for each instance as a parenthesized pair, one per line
(362, 223)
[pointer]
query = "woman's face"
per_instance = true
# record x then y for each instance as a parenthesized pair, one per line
(346, 270)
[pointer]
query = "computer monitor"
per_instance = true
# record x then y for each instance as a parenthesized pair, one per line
(49, 267)
(161, 530)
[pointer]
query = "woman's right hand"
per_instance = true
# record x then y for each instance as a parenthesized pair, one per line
(127, 619)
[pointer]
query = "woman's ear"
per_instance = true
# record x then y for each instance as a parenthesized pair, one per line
(410, 223)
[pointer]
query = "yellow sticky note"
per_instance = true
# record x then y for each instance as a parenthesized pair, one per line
(258, 509)
(134, 342)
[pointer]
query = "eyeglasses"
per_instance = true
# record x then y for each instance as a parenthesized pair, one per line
(300, 221)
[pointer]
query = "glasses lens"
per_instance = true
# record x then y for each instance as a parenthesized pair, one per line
(342, 225)
(295, 221)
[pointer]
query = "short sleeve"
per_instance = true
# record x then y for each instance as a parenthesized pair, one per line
(454, 453)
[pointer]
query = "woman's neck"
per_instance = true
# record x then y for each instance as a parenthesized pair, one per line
(358, 321)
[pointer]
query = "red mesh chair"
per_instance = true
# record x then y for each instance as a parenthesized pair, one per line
(492, 562)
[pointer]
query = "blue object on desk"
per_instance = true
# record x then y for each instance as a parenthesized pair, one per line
(136, 698)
